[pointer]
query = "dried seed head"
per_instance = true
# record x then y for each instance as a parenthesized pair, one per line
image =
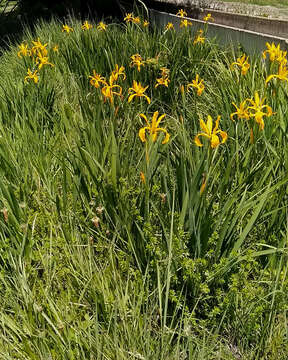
(100, 209)
(163, 197)
(5, 214)
(96, 221)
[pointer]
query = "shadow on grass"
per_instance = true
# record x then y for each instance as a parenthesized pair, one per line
(27, 14)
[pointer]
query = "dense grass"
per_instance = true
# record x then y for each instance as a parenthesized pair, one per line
(97, 264)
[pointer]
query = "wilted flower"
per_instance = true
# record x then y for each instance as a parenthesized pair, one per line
(164, 71)
(142, 177)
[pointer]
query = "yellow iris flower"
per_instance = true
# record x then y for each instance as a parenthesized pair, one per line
(23, 50)
(164, 80)
(101, 26)
(153, 128)
(282, 73)
(137, 61)
(169, 26)
(145, 23)
(108, 90)
(97, 79)
(86, 25)
(38, 47)
(242, 62)
(215, 135)
(185, 23)
(241, 111)
(128, 17)
(138, 90)
(198, 85)
(136, 20)
(257, 105)
(199, 38)
(42, 60)
(67, 29)
(208, 17)
(181, 13)
(275, 53)
(32, 76)
(164, 71)
(118, 72)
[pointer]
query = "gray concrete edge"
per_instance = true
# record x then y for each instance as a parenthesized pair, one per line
(252, 42)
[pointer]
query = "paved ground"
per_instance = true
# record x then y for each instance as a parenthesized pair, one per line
(247, 9)
(235, 7)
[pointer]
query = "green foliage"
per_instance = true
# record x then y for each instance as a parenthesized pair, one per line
(97, 263)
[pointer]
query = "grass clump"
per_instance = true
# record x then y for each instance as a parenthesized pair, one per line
(123, 237)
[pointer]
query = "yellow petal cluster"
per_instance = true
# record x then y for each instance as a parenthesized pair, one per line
(199, 38)
(32, 75)
(138, 90)
(136, 60)
(86, 26)
(66, 28)
(101, 26)
(181, 13)
(185, 23)
(153, 128)
(109, 89)
(208, 17)
(275, 53)
(198, 84)
(258, 110)
(242, 63)
(169, 26)
(214, 135)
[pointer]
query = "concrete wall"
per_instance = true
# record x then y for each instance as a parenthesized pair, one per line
(252, 42)
(278, 28)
